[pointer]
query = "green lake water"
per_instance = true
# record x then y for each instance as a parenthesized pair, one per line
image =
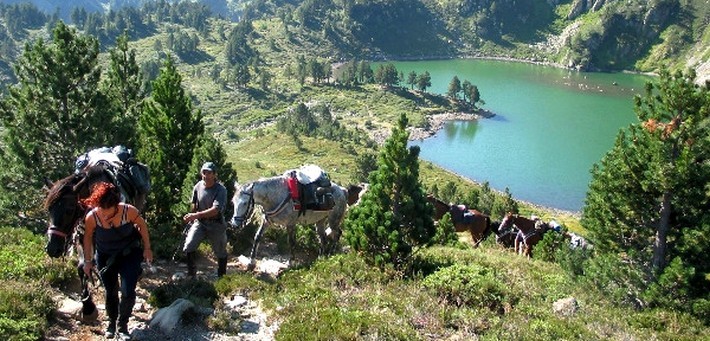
(551, 126)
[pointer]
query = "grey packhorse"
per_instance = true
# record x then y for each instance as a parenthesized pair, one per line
(273, 195)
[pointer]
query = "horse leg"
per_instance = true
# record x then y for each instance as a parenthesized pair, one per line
(291, 230)
(323, 238)
(257, 239)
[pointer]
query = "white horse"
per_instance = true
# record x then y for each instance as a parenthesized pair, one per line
(273, 195)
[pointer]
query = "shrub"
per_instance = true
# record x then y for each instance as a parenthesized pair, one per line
(470, 285)
(431, 259)
(238, 283)
(197, 291)
(22, 257)
(701, 309)
(617, 279)
(446, 232)
(24, 310)
(547, 248)
(572, 260)
(672, 289)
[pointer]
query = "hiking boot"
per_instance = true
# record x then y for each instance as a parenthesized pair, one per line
(221, 267)
(191, 269)
(110, 330)
(123, 332)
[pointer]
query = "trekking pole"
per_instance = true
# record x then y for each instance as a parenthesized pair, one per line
(185, 229)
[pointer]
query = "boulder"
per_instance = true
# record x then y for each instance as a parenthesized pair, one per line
(166, 319)
(565, 307)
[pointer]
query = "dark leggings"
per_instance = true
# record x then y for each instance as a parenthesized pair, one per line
(129, 268)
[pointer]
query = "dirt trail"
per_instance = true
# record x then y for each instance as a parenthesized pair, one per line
(66, 325)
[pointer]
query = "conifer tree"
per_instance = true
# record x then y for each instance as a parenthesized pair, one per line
(454, 88)
(169, 130)
(424, 81)
(49, 117)
(123, 88)
(394, 217)
(647, 197)
(445, 232)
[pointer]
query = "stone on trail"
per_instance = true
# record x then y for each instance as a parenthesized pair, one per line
(166, 319)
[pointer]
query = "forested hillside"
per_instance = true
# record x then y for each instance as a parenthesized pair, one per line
(637, 35)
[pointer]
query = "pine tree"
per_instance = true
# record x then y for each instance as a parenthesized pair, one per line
(49, 117)
(445, 232)
(454, 88)
(123, 87)
(394, 216)
(412, 79)
(647, 197)
(169, 130)
(424, 81)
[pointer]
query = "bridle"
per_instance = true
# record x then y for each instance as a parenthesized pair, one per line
(238, 221)
(72, 222)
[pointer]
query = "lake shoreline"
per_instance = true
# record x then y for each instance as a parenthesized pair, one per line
(436, 122)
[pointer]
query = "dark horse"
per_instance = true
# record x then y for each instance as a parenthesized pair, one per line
(66, 213)
(530, 232)
(473, 221)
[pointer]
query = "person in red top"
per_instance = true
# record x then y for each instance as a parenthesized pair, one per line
(122, 242)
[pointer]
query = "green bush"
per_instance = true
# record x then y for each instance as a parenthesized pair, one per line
(24, 310)
(446, 232)
(199, 292)
(22, 257)
(619, 281)
(238, 282)
(431, 259)
(470, 285)
(701, 309)
(672, 289)
(572, 260)
(547, 248)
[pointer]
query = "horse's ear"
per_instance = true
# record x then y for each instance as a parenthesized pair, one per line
(49, 184)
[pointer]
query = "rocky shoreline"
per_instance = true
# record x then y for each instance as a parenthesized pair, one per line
(436, 122)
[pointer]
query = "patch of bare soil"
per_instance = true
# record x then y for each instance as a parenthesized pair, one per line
(255, 324)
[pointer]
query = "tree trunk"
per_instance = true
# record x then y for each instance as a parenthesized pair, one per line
(659, 246)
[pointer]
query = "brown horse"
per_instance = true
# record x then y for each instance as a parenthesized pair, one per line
(505, 236)
(471, 220)
(66, 229)
(530, 232)
(355, 193)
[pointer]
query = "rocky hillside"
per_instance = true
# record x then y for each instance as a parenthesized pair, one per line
(592, 35)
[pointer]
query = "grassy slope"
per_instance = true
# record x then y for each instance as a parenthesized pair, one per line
(342, 298)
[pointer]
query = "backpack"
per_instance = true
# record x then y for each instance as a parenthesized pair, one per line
(140, 174)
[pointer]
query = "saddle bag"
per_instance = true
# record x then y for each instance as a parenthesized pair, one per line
(140, 174)
(324, 197)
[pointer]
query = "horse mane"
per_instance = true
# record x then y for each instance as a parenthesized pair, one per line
(58, 189)
(73, 182)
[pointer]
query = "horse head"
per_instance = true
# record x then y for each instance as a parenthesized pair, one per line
(507, 222)
(243, 202)
(440, 207)
(62, 204)
(355, 193)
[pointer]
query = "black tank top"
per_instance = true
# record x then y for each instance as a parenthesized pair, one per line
(116, 239)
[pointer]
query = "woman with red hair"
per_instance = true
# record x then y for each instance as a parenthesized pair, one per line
(122, 242)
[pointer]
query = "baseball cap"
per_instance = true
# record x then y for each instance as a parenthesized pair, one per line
(210, 166)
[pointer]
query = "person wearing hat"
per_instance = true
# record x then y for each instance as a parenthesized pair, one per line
(209, 199)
